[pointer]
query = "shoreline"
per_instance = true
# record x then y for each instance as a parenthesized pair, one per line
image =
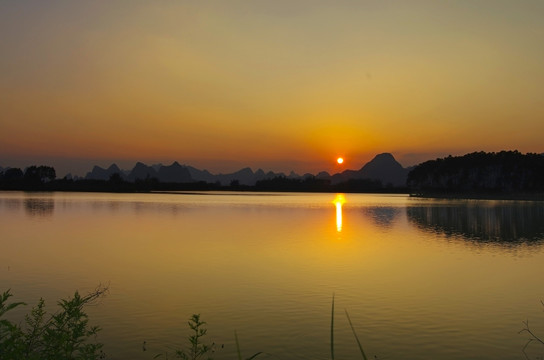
(481, 196)
(431, 195)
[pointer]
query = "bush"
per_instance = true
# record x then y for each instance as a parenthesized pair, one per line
(64, 335)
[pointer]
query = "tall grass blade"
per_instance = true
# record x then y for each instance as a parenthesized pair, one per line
(237, 345)
(332, 328)
(356, 338)
(254, 355)
(240, 353)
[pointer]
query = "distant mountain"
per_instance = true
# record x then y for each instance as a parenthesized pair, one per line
(245, 176)
(98, 173)
(141, 171)
(322, 175)
(174, 173)
(201, 175)
(383, 167)
(259, 175)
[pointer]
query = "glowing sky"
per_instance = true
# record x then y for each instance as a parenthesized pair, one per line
(281, 85)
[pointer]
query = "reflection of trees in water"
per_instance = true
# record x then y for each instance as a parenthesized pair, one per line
(382, 216)
(502, 222)
(39, 206)
(11, 204)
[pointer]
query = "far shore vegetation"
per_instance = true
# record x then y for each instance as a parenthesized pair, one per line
(502, 175)
(479, 175)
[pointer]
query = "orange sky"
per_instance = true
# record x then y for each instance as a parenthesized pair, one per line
(278, 85)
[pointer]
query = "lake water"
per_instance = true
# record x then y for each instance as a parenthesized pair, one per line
(420, 278)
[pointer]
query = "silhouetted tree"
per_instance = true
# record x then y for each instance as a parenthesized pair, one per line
(115, 178)
(506, 171)
(147, 184)
(39, 174)
(13, 174)
(235, 184)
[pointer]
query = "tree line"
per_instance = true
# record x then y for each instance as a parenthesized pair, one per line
(504, 172)
(32, 178)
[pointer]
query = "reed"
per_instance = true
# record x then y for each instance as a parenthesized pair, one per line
(332, 328)
(356, 337)
(352, 330)
(240, 353)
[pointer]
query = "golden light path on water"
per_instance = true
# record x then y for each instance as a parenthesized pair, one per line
(339, 200)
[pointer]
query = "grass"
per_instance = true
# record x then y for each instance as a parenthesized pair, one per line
(332, 328)
(356, 337)
(352, 330)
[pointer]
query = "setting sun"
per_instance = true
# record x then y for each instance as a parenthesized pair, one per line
(340, 160)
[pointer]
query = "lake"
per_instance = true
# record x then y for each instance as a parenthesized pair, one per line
(420, 278)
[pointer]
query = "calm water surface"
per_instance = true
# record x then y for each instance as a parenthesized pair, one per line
(421, 279)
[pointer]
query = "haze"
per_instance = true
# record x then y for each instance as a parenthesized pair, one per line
(279, 85)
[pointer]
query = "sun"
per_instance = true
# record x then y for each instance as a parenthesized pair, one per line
(340, 160)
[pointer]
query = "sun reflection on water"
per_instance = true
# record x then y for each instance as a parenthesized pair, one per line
(339, 200)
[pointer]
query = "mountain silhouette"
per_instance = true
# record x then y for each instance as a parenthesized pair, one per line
(321, 175)
(98, 173)
(383, 167)
(201, 175)
(141, 171)
(174, 173)
(259, 175)
(177, 173)
(244, 177)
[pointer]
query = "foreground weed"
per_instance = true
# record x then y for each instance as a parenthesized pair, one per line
(197, 349)
(533, 336)
(64, 335)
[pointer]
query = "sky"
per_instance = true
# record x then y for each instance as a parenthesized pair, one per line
(280, 85)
